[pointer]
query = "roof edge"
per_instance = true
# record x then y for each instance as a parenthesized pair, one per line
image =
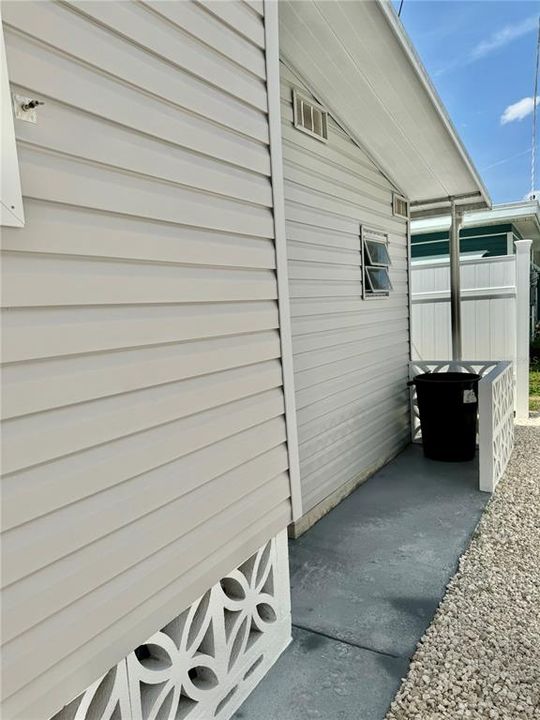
(399, 31)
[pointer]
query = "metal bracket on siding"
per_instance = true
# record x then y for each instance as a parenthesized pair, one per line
(26, 108)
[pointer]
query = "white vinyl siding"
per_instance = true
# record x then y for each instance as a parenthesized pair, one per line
(350, 354)
(144, 436)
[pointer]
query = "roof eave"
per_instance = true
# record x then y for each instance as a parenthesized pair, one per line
(395, 24)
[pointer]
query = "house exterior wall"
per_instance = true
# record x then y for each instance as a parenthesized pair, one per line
(204, 663)
(350, 355)
(144, 431)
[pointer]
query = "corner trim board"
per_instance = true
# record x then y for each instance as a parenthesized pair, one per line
(11, 203)
(271, 29)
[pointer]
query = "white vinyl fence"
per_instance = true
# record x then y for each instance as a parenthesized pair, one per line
(495, 312)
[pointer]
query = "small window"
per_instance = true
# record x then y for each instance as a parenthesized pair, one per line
(377, 253)
(378, 280)
(310, 117)
(400, 206)
(376, 263)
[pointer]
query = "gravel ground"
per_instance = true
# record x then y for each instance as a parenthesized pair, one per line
(480, 657)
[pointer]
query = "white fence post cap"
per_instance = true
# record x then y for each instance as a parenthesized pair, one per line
(523, 246)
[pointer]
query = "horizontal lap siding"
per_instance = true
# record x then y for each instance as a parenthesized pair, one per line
(144, 437)
(350, 354)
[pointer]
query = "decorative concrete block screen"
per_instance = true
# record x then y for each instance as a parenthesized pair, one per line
(496, 422)
(205, 662)
(495, 412)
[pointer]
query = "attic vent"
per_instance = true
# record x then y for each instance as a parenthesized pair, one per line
(310, 117)
(400, 206)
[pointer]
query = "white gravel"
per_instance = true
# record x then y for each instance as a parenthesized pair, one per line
(480, 657)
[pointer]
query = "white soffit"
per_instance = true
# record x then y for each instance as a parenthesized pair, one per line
(360, 64)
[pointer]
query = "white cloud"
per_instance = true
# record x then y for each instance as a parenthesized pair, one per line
(499, 39)
(519, 110)
(503, 37)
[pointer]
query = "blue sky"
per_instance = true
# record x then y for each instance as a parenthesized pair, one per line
(481, 57)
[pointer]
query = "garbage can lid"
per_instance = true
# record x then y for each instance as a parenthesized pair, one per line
(447, 377)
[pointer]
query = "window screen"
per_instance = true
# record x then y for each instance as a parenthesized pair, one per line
(376, 263)
(377, 253)
(378, 280)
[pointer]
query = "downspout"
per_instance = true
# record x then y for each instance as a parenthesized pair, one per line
(455, 282)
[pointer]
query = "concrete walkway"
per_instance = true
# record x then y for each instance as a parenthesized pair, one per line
(366, 581)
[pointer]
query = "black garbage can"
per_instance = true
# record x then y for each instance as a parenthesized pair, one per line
(448, 408)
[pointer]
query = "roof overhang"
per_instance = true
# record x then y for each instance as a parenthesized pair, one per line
(358, 61)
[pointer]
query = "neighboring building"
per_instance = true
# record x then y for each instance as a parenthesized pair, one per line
(486, 232)
(206, 328)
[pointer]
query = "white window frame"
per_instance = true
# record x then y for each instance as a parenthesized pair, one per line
(298, 120)
(374, 236)
(11, 204)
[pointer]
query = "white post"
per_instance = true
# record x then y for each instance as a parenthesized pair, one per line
(485, 436)
(523, 269)
(510, 243)
(455, 283)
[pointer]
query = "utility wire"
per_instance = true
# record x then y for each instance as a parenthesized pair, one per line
(535, 100)
(400, 8)
(506, 159)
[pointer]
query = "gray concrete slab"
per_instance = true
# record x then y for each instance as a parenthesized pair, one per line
(369, 577)
(373, 570)
(318, 678)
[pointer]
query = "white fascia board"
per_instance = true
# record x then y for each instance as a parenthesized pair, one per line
(421, 72)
